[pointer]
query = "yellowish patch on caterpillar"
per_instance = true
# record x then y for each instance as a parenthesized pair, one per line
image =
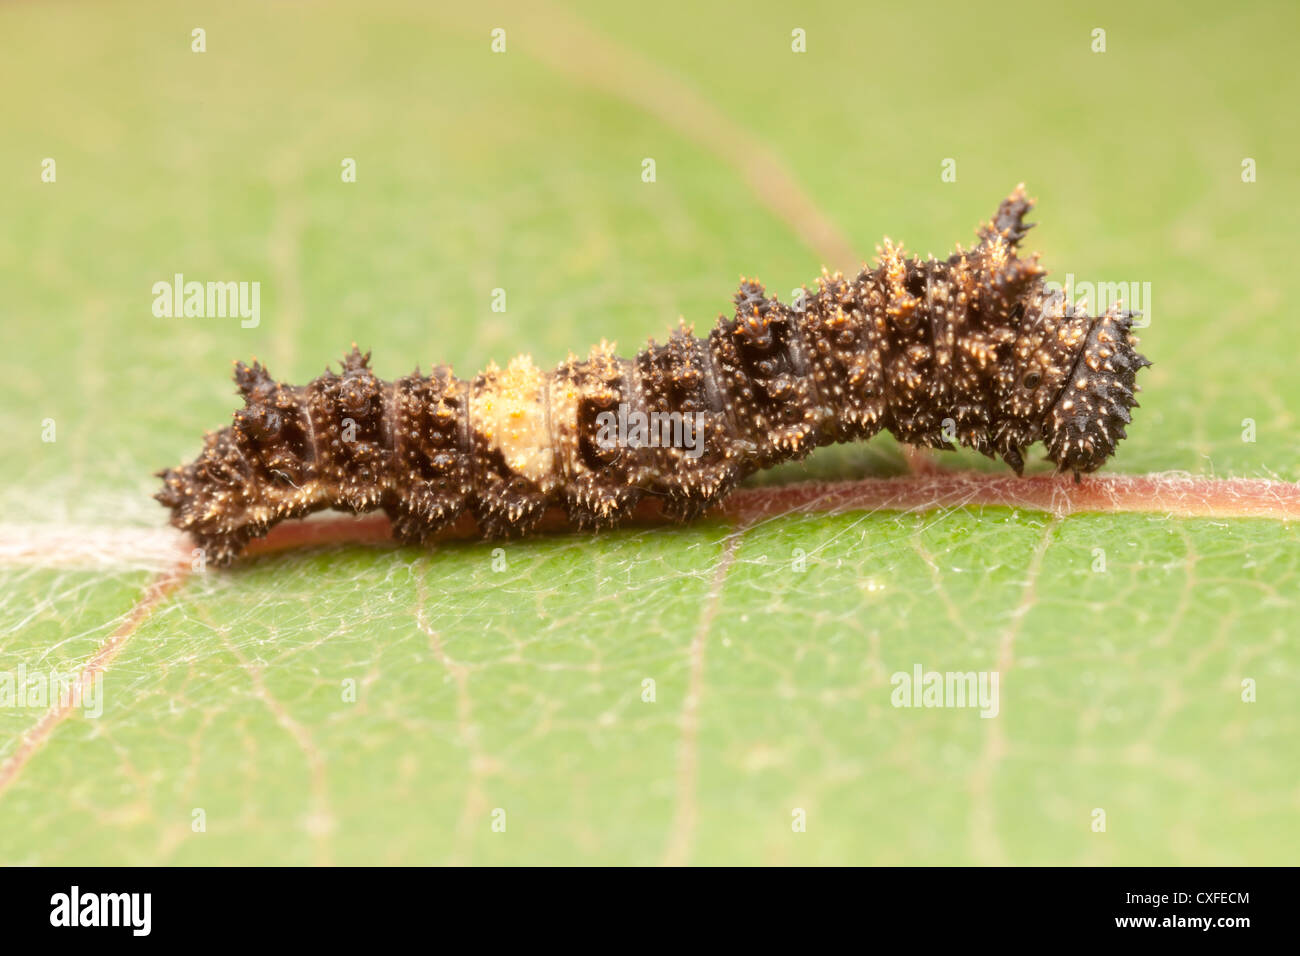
(509, 410)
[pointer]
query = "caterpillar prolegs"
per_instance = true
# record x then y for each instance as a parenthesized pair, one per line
(970, 350)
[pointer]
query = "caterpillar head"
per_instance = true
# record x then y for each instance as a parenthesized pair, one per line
(1087, 419)
(1068, 382)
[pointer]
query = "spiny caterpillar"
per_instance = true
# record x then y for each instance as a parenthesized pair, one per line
(972, 349)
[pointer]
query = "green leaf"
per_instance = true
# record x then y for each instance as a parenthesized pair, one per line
(680, 695)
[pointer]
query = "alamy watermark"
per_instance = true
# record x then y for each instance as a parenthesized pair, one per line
(132, 911)
(1100, 296)
(629, 428)
(208, 300)
(922, 688)
(38, 689)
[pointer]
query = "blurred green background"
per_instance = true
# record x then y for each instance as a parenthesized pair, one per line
(521, 689)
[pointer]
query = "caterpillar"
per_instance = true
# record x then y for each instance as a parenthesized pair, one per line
(971, 350)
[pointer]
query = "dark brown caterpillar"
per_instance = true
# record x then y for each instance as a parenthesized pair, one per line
(971, 350)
